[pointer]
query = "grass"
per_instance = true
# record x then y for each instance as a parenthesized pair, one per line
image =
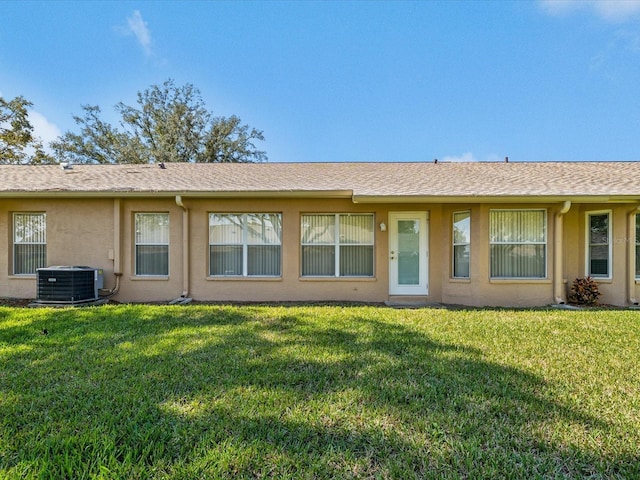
(134, 391)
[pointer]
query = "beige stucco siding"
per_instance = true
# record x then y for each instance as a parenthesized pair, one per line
(290, 286)
(480, 289)
(78, 233)
(159, 288)
(85, 231)
(614, 289)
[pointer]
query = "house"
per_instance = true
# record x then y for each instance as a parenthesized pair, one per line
(479, 234)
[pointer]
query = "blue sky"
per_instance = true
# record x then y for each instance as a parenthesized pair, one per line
(350, 81)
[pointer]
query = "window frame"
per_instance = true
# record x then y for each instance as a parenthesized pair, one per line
(588, 244)
(337, 245)
(244, 245)
(545, 243)
(15, 243)
(455, 244)
(637, 235)
(136, 245)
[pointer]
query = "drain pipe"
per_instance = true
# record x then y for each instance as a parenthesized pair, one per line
(185, 253)
(117, 236)
(558, 252)
(631, 257)
(106, 293)
(117, 249)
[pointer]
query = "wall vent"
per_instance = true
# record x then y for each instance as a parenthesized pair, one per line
(69, 284)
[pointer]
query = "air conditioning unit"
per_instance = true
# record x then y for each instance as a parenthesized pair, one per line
(62, 284)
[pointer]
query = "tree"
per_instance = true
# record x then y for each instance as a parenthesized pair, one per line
(17, 141)
(168, 124)
(229, 141)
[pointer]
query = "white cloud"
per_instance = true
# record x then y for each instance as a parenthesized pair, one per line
(43, 128)
(617, 9)
(611, 10)
(560, 7)
(465, 157)
(138, 27)
(615, 59)
(470, 157)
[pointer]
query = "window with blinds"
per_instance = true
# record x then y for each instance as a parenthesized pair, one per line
(245, 245)
(337, 245)
(518, 243)
(461, 236)
(29, 242)
(152, 244)
(599, 245)
(638, 245)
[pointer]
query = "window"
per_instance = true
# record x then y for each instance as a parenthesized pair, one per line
(461, 244)
(337, 245)
(152, 244)
(247, 245)
(638, 245)
(29, 242)
(598, 245)
(518, 242)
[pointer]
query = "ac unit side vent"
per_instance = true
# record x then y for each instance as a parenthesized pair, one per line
(68, 284)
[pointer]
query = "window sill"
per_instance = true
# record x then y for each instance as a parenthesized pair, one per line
(459, 280)
(507, 281)
(337, 279)
(26, 276)
(602, 280)
(243, 279)
(147, 278)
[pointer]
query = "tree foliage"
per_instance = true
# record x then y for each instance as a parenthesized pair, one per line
(167, 124)
(17, 141)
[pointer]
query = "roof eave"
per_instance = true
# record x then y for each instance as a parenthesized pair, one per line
(327, 194)
(184, 194)
(495, 198)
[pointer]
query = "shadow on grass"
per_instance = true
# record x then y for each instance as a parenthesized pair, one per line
(219, 391)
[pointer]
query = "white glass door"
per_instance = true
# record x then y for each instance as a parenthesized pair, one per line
(408, 253)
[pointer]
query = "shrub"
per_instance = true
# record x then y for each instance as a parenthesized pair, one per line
(584, 291)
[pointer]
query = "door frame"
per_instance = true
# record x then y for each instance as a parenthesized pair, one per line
(422, 288)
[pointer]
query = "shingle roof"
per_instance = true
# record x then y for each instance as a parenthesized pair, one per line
(358, 180)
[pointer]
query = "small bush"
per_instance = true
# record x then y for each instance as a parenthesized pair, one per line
(585, 291)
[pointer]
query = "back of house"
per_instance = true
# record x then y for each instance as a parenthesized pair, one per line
(478, 234)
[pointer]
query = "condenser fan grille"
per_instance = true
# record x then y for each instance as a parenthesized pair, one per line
(67, 284)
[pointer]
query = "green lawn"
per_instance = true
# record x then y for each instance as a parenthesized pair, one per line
(135, 391)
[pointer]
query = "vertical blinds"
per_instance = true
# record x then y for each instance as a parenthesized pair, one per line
(247, 244)
(518, 243)
(152, 228)
(337, 245)
(461, 244)
(152, 244)
(29, 242)
(638, 245)
(517, 226)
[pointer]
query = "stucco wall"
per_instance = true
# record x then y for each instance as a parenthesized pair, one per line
(480, 289)
(92, 232)
(290, 286)
(79, 232)
(614, 290)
